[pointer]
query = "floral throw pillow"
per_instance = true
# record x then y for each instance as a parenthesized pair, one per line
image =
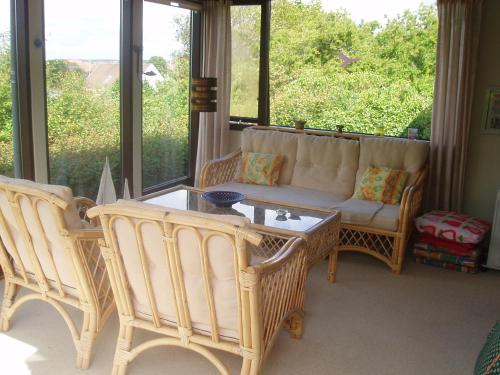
(260, 169)
(382, 184)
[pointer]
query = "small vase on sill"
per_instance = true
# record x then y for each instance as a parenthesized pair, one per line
(379, 131)
(299, 124)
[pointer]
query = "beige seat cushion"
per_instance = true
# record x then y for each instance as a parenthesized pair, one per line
(395, 153)
(31, 277)
(370, 213)
(221, 261)
(56, 245)
(354, 211)
(285, 194)
(387, 218)
(326, 164)
(273, 142)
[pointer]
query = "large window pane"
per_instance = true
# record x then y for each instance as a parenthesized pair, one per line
(6, 140)
(245, 34)
(165, 94)
(353, 67)
(82, 81)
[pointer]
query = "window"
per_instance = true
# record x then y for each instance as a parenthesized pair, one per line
(165, 93)
(330, 67)
(6, 120)
(245, 54)
(82, 88)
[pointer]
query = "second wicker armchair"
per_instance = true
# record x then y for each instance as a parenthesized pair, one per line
(188, 277)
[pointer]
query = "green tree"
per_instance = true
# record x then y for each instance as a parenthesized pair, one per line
(160, 63)
(390, 83)
(6, 143)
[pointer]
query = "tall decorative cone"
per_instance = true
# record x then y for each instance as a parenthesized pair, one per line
(107, 192)
(126, 191)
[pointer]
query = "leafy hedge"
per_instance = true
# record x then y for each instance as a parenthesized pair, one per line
(84, 128)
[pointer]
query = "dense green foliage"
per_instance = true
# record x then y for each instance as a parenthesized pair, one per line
(390, 86)
(84, 125)
(6, 144)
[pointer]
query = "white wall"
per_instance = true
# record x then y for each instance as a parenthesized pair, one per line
(483, 167)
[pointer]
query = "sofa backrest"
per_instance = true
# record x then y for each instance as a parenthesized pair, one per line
(327, 164)
(396, 153)
(273, 142)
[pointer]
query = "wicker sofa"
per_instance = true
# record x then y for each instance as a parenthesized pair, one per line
(322, 169)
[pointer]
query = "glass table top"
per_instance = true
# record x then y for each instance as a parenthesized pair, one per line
(262, 213)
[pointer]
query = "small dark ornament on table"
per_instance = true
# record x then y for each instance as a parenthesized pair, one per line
(223, 198)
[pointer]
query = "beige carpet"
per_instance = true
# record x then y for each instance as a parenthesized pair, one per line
(426, 321)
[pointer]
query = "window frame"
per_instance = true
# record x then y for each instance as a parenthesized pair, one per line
(240, 122)
(29, 93)
(195, 70)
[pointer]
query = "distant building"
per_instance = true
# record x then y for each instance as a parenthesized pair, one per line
(102, 74)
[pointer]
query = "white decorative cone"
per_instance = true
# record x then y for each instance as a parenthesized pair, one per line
(107, 192)
(126, 191)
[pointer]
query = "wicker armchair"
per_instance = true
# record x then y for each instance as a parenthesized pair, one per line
(187, 277)
(45, 248)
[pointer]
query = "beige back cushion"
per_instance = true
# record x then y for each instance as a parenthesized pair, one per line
(395, 153)
(221, 264)
(41, 223)
(273, 142)
(327, 164)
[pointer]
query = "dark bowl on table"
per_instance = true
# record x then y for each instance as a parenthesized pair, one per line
(223, 198)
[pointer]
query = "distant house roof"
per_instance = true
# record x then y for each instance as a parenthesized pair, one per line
(102, 74)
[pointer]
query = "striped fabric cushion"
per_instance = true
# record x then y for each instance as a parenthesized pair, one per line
(488, 362)
(382, 184)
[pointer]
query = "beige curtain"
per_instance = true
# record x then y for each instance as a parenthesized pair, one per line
(213, 136)
(451, 116)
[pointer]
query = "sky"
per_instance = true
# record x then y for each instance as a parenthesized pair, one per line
(374, 10)
(74, 30)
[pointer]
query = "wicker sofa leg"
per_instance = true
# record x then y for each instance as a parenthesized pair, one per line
(250, 367)
(87, 338)
(123, 346)
(295, 325)
(10, 294)
(332, 266)
(399, 250)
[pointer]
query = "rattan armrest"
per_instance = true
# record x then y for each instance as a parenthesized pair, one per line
(411, 201)
(220, 171)
(88, 233)
(90, 252)
(284, 255)
(281, 284)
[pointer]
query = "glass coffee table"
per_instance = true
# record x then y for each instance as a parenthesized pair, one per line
(276, 221)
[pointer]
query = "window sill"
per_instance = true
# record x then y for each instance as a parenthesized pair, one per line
(240, 126)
